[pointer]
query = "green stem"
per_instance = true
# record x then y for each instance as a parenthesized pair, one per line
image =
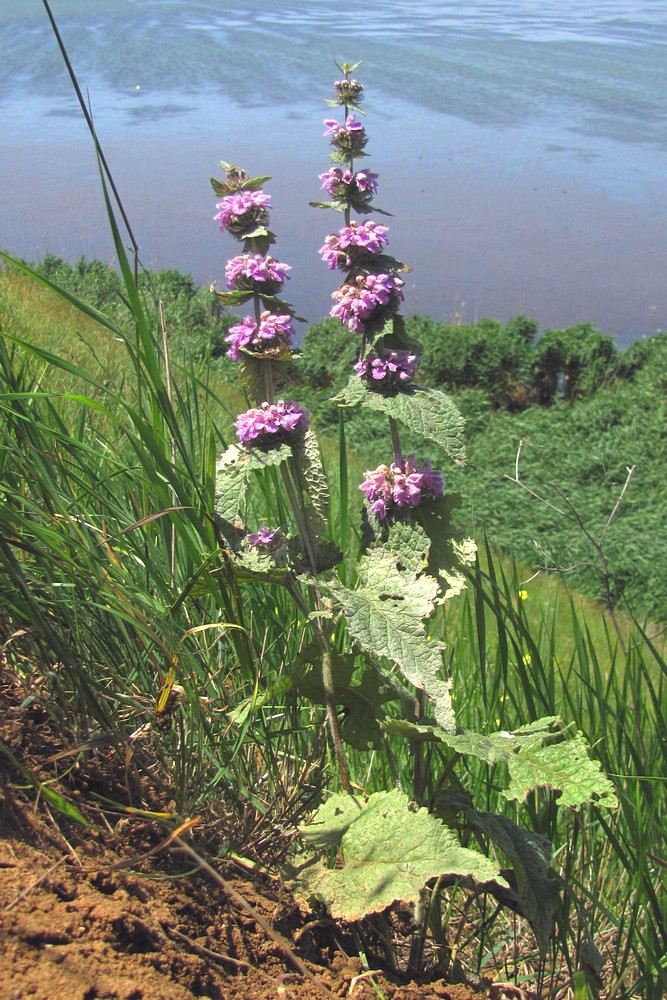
(395, 439)
(343, 490)
(267, 370)
(322, 634)
(418, 752)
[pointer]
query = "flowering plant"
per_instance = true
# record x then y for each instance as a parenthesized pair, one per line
(367, 611)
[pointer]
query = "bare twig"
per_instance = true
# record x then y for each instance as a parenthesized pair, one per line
(630, 470)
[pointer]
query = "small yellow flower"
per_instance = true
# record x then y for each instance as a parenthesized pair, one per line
(497, 722)
(523, 595)
(526, 659)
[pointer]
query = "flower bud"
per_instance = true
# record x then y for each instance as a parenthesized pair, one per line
(348, 91)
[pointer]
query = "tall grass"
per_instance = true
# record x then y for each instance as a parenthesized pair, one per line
(113, 573)
(107, 471)
(510, 670)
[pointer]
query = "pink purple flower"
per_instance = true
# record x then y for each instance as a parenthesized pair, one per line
(243, 211)
(400, 485)
(270, 422)
(344, 185)
(388, 369)
(264, 538)
(272, 335)
(354, 244)
(367, 301)
(254, 273)
(334, 127)
(349, 138)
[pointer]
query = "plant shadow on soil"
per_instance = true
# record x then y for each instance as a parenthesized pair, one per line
(72, 929)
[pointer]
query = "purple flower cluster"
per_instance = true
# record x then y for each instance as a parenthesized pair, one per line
(273, 334)
(390, 369)
(366, 302)
(254, 273)
(350, 187)
(354, 244)
(264, 538)
(243, 211)
(400, 485)
(349, 138)
(269, 422)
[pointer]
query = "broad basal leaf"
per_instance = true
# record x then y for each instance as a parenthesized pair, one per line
(530, 856)
(388, 851)
(386, 613)
(429, 412)
(532, 758)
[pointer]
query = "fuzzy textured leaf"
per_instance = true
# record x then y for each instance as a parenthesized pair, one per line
(232, 472)
(389, 852)
(232, 298)
(451, 551)
(312, 480)
(530, 855)
(532, 758)
(386, 613)
(428, 412)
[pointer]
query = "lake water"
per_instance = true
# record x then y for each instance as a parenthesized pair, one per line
(521, 146)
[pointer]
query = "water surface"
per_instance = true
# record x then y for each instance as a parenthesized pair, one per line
(521, 148)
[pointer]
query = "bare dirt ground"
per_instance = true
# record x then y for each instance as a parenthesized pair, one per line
(75, 926)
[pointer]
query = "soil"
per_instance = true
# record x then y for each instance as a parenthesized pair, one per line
(75, 926)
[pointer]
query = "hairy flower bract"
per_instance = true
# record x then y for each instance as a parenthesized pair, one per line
(242, 211)
(264, 538)
(368, 300)
(346, 185)
(354, 244)
(271, 333)
(400, 485)
(390, 368)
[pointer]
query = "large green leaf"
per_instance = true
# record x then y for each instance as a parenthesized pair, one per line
(388, 852)
(446, 550)
(312, 480)
(386, 614)
(530, 856)
(541, 755)
(233, 470)
(428, 412)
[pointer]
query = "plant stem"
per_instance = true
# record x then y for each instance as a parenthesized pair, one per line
(395, 440)
(267, 370)
(323, 636)
(418, 751)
